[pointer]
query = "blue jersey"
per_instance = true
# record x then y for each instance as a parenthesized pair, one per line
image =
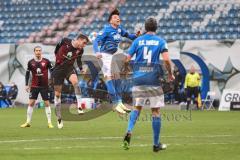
(109, 38)
(147, 65)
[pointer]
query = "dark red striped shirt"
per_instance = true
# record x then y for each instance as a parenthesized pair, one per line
(39, 71)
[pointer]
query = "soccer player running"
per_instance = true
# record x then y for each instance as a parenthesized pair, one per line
(108, 40)
(38, 66)
(147, 90)
(67, 52)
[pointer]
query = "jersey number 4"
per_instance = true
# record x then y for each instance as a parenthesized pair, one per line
(147, 54)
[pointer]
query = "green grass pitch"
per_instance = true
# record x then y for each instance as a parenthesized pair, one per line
(205, 135)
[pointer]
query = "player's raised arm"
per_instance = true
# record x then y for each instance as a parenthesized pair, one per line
(129, 55)
(131, 51)
(101, 37)
(124, 33)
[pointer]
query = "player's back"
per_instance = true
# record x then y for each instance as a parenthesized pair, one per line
(147, 65)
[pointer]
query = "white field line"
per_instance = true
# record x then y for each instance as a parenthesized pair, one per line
(109, 146)
(107, 138)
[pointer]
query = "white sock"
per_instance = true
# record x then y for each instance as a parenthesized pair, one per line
(57, 103)
(79, 100)
(29, 114)
(48, 113)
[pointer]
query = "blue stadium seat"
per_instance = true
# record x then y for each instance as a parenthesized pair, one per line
(176, 22)
(32, 16)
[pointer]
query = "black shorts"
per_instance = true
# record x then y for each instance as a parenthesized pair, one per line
(34, 91)
(59, 74)
(192, 91)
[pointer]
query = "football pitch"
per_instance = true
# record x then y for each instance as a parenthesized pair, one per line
(196, 135)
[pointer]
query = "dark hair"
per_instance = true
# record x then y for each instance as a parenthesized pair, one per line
(83, 36)
(36, 47)
(114, 12)
(151, 24)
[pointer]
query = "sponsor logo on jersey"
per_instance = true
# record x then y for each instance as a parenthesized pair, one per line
(39, 72)
(69, 55)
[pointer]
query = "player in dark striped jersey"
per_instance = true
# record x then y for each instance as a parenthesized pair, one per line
(67, 52)
(38, 67)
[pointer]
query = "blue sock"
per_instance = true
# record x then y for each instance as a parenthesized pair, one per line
(118, 88)
(132, 120)
(112, 91)
(156, 125)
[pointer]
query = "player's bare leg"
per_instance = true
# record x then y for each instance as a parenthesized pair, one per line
(48, 113)
(74, 80)
(29, 113)
(57, 103)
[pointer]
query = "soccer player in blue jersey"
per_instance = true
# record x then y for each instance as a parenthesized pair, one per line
(147, 90)
(108, 40)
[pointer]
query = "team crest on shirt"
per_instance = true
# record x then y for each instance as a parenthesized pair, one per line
(117, 37)
(43, 64)
(119, 30)
(100, 33)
